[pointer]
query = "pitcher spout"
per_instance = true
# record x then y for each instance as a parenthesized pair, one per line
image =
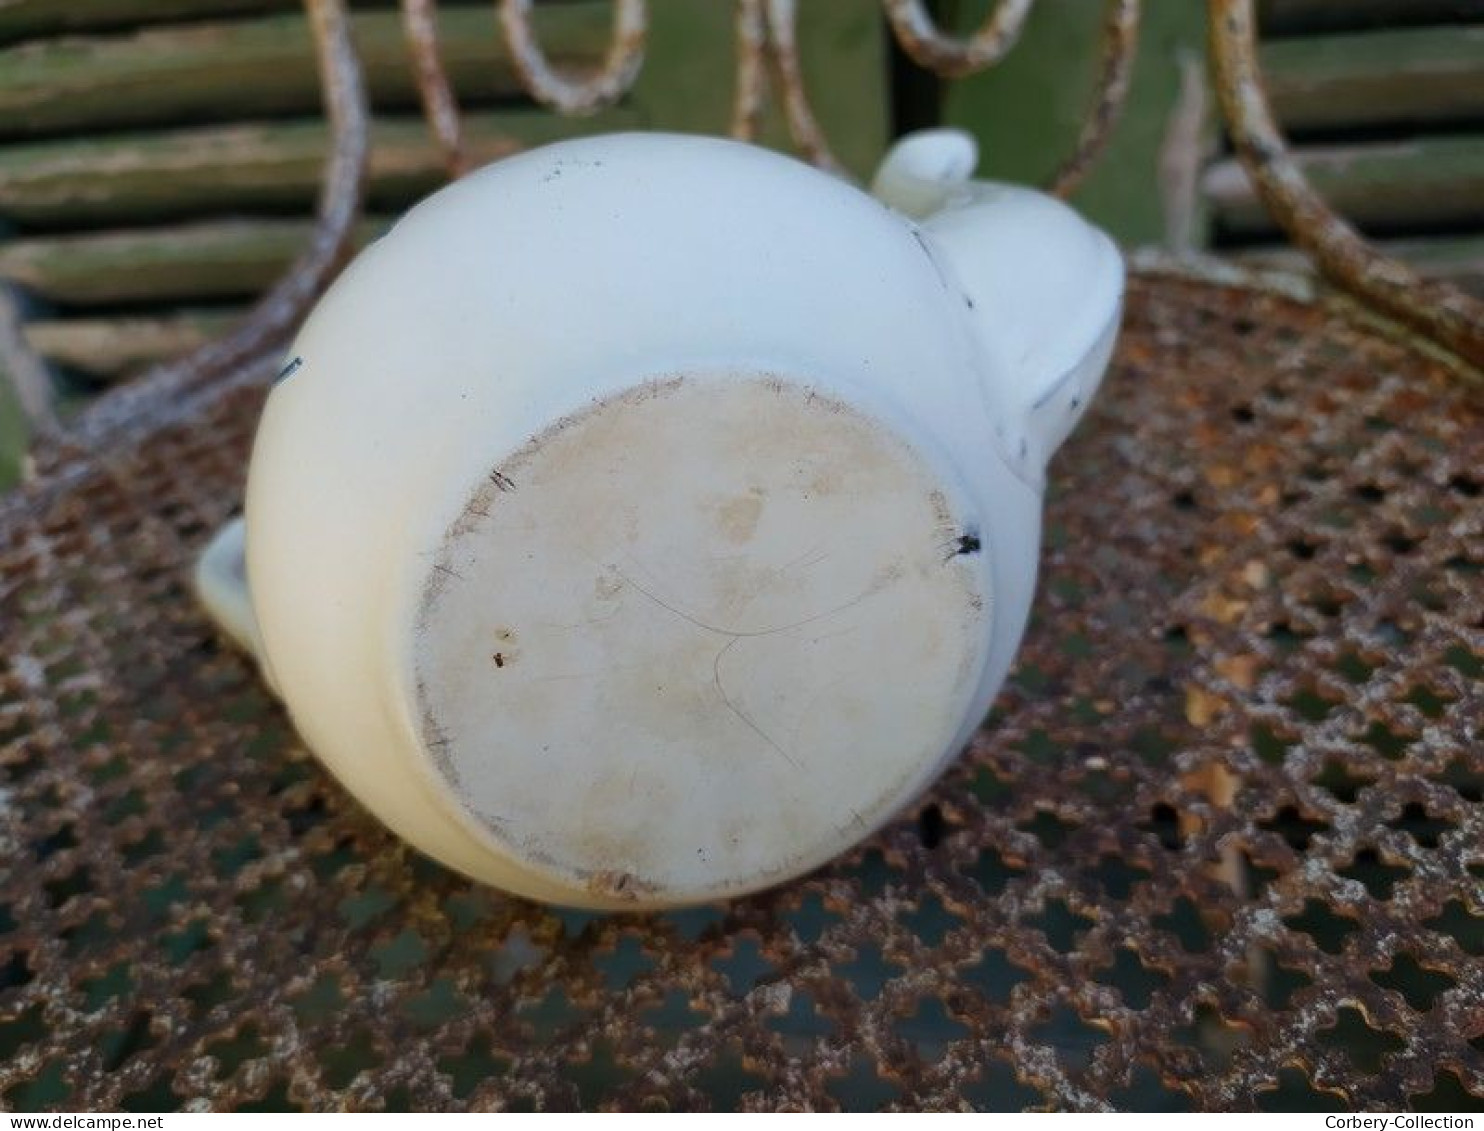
(1044, 286)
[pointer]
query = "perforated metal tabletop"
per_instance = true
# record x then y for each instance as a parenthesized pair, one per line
(1218, 846)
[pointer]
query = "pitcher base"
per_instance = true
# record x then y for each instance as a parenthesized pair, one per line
(697, 639)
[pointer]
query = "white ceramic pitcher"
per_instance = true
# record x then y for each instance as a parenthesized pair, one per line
(646, 519)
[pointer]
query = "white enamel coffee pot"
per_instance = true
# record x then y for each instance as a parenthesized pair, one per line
(646, 519)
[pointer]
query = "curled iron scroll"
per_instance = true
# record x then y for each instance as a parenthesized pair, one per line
(1115, 76)
(590, 93)
(920, 37)
(440, 107)
(1440, 311)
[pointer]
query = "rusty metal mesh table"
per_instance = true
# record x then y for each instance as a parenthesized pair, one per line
(1218, 846)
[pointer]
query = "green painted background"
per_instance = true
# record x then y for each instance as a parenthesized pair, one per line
(1026, 112)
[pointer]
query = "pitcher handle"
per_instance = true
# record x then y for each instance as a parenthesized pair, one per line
(221, 587)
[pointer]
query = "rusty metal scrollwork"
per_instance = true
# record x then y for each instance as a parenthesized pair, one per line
(1440, 311)
(440, 107)
(766, 36)
(588, 94)
(1120, 47)
(920, 37)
